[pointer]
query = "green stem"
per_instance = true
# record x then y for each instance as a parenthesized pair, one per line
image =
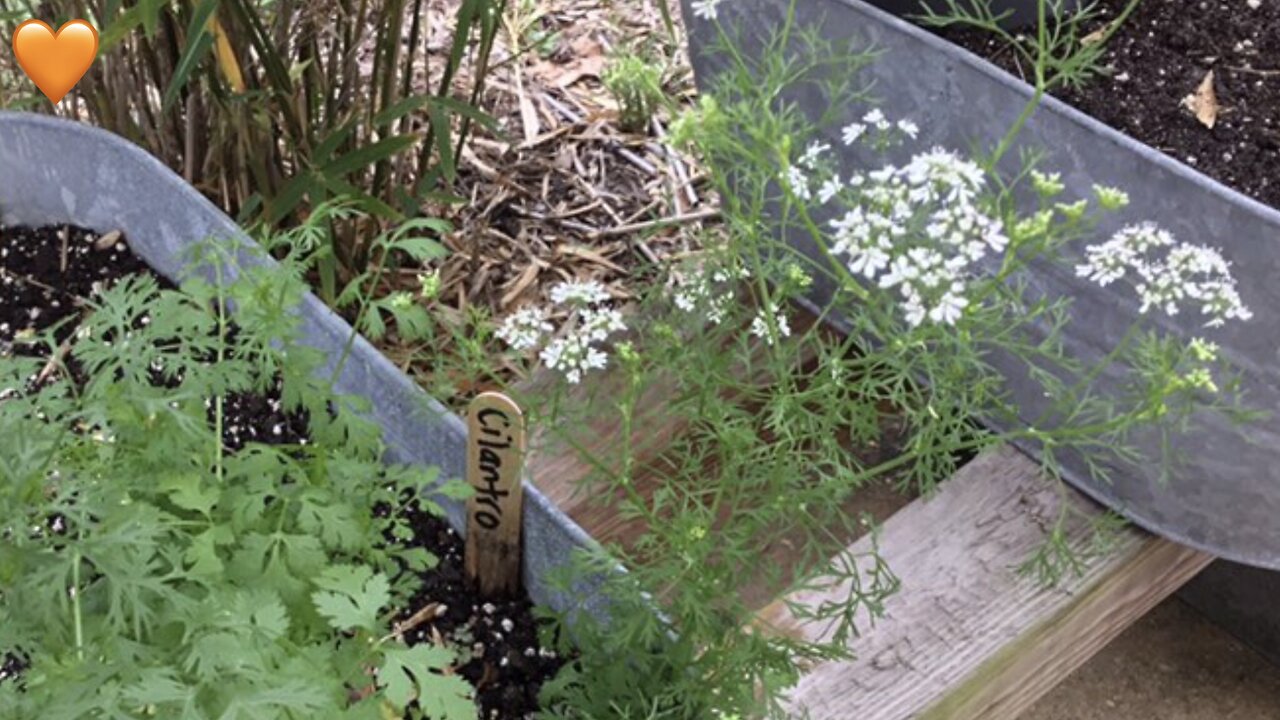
(1093, 373)
(366, 302)
(217, 401)
(1040, 85)
(77, 616)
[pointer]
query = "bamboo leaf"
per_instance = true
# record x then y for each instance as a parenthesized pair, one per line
(326, 148)
(198, 41)
(145, 14)
(440, 124)
(400, 108)
(226, 57)
(359, 199)
(285, 201)
(465, 110)
(370, 154)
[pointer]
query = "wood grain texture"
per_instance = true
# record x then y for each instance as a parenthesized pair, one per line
(563, 459)
(966, 637)
(495, 456)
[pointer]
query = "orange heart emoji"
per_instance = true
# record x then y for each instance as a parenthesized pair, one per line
(55, 63)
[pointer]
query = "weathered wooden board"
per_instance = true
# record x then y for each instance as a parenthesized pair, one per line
(561, 458)
(966, 637)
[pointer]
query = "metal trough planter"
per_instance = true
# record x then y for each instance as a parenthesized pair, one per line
(1226, 500)
(55, 171)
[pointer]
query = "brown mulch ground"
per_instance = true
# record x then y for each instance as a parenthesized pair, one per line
(562, 192)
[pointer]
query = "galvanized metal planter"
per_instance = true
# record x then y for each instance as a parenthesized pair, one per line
(1019, 12)
(1226, 500)
(55, 171)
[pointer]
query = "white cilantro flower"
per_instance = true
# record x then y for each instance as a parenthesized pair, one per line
(868, 261)
(710, 291)
(950, 306)
(719, 307)
(852, 132)
(598, 324)
(829, 189)
(918, 230)
(813, 155)
(876, 119)
(1167, 273)
(760, 324)
(573, 356)
(582, 292)
(524, 329)
(705, 9)
(798, 182)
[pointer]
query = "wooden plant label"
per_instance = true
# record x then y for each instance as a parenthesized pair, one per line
(495, 455)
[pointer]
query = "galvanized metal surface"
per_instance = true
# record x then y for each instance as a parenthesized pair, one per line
(1014, 13)
(1226, 500)
(55, 171)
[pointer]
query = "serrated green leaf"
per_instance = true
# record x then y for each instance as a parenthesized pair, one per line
(419, 559)
(414, 673)
(202, 555)
(446, 697)
(163, 688)
(421, 248)
(373, 326)
(352, 596)
(336, 525)
(412, 323)
(271, 618)
(189, 492)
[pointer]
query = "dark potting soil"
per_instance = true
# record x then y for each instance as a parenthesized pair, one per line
(45, 276)
(1160, 55)
(508, 663)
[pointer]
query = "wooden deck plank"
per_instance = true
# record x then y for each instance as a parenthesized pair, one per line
(562, 458)
(966, 638)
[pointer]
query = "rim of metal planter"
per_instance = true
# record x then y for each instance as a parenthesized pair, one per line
(58, 171)
(1226, 499)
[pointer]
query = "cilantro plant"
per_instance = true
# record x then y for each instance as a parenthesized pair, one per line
(147, 569)
(774, 424)
(635, 82)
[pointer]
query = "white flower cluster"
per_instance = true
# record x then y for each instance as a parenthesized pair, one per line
(524, 329)
(918, 228)
(706, 291)
(807, 170)
(876, 122)
(705, 9)
(760, 324)
(1167, 272)
(574, 351)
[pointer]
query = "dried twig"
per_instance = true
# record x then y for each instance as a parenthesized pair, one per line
(612, 144)
(76, 299)
(62, 253)
(430, 611)
(1254, 71)
(696, 216)
(55, 361)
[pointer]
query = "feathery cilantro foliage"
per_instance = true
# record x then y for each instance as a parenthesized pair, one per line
(768, 428)
(149, 571)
